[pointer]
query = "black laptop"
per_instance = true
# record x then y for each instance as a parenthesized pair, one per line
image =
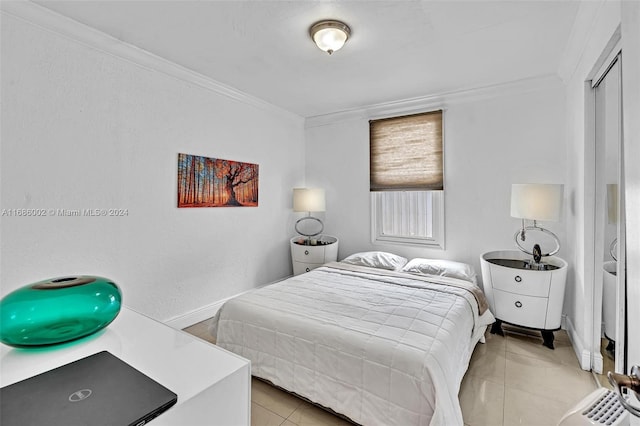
(100, 389)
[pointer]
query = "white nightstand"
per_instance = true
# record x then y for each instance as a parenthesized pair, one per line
(520, 295)
(308, 254)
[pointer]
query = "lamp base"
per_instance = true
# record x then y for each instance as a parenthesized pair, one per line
(536, 252)
(306, 234)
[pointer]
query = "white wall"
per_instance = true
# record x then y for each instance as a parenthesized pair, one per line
(493, 138)
(84, 128)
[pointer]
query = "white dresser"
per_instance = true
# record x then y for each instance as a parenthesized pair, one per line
(213, 385)
(308, 254)
(523, 296)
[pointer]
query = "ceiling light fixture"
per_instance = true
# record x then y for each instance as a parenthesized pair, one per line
(330, 35)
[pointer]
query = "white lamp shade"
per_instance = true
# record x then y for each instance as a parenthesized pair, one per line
(308, 200)
(537, 201)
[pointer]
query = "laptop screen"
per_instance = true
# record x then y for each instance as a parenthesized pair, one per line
(100, 389)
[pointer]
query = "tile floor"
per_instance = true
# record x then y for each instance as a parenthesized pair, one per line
(511, 380)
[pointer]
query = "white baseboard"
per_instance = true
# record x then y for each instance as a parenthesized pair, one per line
(583, 354)
(204, 312)
(598, 363)
(185, 320)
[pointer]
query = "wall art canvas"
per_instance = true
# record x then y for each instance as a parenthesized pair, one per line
(212, 182)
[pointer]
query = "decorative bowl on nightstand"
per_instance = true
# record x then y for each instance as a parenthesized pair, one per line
(523, 293)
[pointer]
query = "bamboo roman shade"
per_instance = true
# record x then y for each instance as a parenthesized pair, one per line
(406, 153)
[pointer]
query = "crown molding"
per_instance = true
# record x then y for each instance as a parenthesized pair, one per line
(436, 101)
(75, 31)
(579, 37)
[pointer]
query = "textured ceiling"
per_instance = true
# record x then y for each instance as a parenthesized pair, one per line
(398, 49)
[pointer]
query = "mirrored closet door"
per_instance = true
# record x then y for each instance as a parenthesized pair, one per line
(608, 267)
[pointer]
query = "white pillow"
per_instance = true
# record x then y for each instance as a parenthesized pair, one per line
(441, 268)
(376, 259)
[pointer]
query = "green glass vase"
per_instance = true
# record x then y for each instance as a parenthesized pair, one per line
(58, 310)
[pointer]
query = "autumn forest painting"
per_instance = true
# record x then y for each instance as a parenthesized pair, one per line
(212, 182)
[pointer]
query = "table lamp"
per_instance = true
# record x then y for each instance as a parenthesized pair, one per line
(308, 200)
(535, 201)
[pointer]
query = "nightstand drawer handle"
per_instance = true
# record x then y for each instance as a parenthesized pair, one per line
(308, 269)
(518, 304)
(306, 252)
(518, 278)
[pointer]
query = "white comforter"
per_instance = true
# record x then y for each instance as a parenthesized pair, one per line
(380, 349)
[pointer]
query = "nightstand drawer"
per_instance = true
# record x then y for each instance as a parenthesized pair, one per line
(521, 281)
(521, 310)
(301, 267)
(308, 254)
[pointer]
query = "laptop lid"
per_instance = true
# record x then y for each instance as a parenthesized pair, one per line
(100, 389)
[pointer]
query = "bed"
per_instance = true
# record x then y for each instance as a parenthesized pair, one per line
(379, 345)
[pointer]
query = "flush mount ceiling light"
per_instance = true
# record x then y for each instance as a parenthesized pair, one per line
(330, 35)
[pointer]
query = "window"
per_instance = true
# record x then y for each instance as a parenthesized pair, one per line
(407, 179)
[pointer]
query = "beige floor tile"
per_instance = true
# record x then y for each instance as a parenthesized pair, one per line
(562, 336)
(260, 416)
(482, 402)
(272, 398)
(201, 330)
(526, 409)
(559, 335)
(494, 343)
(547, 378)
(310, 415)
(508, 328)
(487, 364)
(532, 347)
